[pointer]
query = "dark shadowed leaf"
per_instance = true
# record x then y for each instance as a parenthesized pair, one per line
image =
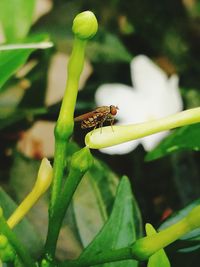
(186, 138)
(108, 47)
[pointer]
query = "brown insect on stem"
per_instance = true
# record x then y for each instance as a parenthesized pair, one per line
(97, 117)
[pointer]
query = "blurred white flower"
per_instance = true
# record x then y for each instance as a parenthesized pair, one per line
(152, 96)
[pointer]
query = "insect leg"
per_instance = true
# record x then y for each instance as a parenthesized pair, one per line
(111, 124)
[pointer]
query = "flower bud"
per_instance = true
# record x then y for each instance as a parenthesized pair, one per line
(85, 25)
(42, 183)
(45, 175)
(3, 241)
(82, 160)
(6, 251)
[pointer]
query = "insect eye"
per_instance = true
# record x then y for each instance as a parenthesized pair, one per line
(113, 110)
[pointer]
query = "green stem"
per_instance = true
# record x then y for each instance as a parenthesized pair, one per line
(60, 209)
(80, 163)
(143, 248)
(125, 133)
(18, 247)
(65, 123)
(84, 27)
(105, 257)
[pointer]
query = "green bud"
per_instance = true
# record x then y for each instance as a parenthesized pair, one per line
(45, 263)
(82, 160)
(3, 241)
(6, 251)
(85, 25)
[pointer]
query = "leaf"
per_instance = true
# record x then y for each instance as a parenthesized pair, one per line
(190, 241)
(11, 116)
(24, 230)
(92, 200)
(16, 18)
(108, 48)
(185, 138)
(41, 45)
(119, 230)
(12, 60)
(159, 258)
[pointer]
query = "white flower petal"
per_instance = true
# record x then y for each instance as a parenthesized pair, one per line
(176, 102)
(151, 141)
(113, 94)
(122, 96)
(121, 149)
(147, 76)
(154, 97)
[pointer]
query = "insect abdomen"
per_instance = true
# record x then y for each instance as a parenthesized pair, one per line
(90, 122)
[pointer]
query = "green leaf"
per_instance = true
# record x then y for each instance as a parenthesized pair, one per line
(16, 18)
(119, 230)
(24, 230)
(185, 138)
(108, 48)
(11, 60)
(190, 241)
(92, 200)
(159, 258)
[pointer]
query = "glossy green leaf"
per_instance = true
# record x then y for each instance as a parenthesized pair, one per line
(185, 138)
(119, 230)
(159, 258)
(16, 18)
(190, 241)
(24, 230)
(11, 60)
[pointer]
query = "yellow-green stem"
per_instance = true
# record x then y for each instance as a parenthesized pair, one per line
(119, 134)
(65, 123)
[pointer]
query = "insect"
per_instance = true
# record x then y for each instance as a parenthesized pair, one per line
(97, 117)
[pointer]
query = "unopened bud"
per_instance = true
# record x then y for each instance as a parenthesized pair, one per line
(85, 25)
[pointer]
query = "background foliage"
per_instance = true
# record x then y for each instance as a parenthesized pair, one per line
(165, 180)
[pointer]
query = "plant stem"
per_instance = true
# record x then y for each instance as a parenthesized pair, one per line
(18, 247)
(125, 133)
(104, 257)
(80, 163)
(60, 209)
(84, 27)
(65, 123)
(143, 248)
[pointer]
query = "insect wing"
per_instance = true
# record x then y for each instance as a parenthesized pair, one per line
(84, 116)
(99, 112)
